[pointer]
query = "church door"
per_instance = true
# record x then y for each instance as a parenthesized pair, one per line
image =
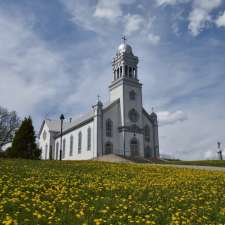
(134, 147)
(108, 148)
(148, 152)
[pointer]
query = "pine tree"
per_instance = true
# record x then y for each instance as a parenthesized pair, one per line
(24, 145)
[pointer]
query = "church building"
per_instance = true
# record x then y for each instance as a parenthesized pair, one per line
(122, 127)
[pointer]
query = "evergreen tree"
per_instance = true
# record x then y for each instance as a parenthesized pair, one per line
(24, 145)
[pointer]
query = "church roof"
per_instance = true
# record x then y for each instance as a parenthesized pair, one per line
(151, 116)
(108, 105)
(77, 122)
(55, 125)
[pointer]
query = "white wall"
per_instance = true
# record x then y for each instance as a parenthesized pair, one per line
(43, 143)
(113, 113)
(85, 154)
(6, 146)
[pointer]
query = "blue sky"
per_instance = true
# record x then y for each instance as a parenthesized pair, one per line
(56, 57)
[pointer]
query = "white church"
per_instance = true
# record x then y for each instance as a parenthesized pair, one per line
(122, 127)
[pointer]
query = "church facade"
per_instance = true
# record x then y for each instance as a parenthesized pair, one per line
(121, 127)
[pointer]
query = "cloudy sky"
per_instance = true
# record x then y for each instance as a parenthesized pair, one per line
(55, 57)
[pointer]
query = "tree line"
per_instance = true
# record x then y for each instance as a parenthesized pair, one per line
(20, 133)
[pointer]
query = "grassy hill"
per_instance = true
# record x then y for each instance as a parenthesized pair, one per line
(217, 163)
(53, 192)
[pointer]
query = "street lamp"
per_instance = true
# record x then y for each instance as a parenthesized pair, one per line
(61, 119)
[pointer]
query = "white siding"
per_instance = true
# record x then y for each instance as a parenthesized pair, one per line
(85, 153)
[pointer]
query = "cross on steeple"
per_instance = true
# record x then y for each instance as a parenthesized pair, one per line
(124, 39)
(98, 96)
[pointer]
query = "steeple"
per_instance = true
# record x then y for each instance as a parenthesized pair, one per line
(124, 64)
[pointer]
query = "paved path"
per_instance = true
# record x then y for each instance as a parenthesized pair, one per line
(196, 167)
(118, 159)
(113, 158)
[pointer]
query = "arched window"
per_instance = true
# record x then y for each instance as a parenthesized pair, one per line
(126, 71)
(108, 148)
(57, 150)
(89, 139)
(121, 71)
(134, 147)
(64, 149)
(71, 145)
(147, 133)
(130, 72)
(79, 142)
(114, 74)
(118, 73)
(132, 95)
(46, 151)
(109, 127)
(134, 73)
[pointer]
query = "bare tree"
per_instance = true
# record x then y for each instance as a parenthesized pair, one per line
(9, 123)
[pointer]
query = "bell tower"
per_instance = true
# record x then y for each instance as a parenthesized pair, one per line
(124, 64)
(126, 87)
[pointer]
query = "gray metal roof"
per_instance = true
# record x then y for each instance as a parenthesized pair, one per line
(55, 125)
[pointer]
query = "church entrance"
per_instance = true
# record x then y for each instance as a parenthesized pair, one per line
(134, 147)
(148, 152)
(108, 148)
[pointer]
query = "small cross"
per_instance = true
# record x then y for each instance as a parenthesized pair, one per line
(98, 96)
(124, 39)
(152, 109)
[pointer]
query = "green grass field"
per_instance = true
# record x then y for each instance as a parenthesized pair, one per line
(53, 192)
(217, 163)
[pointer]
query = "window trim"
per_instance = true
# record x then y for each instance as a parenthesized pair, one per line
(79, 142)
(89, 139)
(109, 128)
(71, 145)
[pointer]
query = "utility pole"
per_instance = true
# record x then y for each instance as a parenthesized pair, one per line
(219, 150)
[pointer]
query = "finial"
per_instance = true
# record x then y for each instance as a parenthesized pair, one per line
(124, 39)
(98, 96)
(152, 109)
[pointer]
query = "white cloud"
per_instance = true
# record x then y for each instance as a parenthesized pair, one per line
(153, 39)
(198, 19)
(200, 15)
(166, 118)
(30, 72)
(171, 2)
(220, 22)
(207, 5)
(108, 9)
(133, 23)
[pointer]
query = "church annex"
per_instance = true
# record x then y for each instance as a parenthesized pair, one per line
(122, 127)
